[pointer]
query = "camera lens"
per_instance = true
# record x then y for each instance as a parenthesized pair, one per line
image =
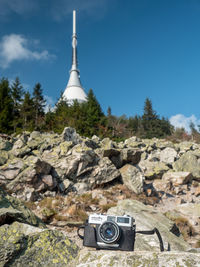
(109, 232)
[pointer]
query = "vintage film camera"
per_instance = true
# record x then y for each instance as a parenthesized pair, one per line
(112, 232)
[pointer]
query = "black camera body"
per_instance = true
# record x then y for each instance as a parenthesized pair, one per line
(109, 232)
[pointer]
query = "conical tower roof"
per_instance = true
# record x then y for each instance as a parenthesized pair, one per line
(74, 89)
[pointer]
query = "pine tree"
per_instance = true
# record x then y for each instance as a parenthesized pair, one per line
(27, 112)
(6, 107)
(152, 125)
(17, 93)
(94, 115)
(39, 104)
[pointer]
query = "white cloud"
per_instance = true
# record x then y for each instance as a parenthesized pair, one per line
(15, 47)
(181, 121)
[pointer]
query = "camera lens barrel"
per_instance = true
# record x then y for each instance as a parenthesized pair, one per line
(109, 232)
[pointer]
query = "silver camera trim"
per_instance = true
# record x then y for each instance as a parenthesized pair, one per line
(100, 218)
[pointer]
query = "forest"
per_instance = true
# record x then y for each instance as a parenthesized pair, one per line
(21, 111)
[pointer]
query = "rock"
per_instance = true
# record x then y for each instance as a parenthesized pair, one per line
(21, 152)
(28, 246)
(13, 209)
(103, 173)
(197, 191)
(64, 185)
(147, 218)
(107, 144)
(131, 156)
(153, 170)
(69, 134)
(3, 157)
(162, 185)
(65, 147)
(178, 178)
(81, 188)
(5, 145)
(184, 147)
(136, 259)
(96, 139)
(189, 209)
(168, 155)
(188, 162)
(133, 178)
(48, 180)
(134, 142)
(12, 169)
(30, 173)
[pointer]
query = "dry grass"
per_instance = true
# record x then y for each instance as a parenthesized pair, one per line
(106, 207)
(185, 227)
(75, 207)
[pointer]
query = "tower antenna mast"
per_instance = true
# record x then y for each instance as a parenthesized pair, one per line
(74, 89)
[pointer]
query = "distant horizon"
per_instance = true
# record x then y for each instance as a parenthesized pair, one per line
(127, 51)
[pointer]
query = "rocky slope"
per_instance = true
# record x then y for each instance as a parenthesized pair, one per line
(64, 178)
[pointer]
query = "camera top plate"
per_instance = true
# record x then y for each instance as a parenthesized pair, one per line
(125, 220)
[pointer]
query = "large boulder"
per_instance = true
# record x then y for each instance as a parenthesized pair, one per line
(103, 173)
(188, 162)
(25, 240)
(136, 259)
(23, 245)
(168, 155)
(147, 218)
(153, 170)
(13, 209)
(70, 134)
(130, 155)
(18, 175)
(133, 178)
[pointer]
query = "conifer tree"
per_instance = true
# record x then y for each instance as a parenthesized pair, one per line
(152, 125)
(39, 104)
(94, 114)
(17, 93)
(6, 107)
(27, 112)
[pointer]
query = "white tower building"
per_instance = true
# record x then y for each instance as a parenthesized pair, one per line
(74, 89)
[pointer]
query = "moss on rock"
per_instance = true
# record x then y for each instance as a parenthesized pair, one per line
(29, 246)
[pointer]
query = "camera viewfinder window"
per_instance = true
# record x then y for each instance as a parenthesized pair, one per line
(122, 220)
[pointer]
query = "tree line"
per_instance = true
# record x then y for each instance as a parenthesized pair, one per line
(21, 111)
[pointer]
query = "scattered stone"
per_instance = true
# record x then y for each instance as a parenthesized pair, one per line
(133, 178)
(178, 178)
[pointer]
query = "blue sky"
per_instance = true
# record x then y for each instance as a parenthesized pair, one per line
(127, 50)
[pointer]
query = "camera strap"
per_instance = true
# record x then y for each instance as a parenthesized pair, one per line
(79, 228)
(151, 232)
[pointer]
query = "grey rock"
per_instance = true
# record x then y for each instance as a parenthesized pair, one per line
(153, 170)
(103, 173)
(131, 156)
(178, 178)
(133, 178)
(168, 155)
(147, 218)
(136, 259)
(81, 188)
(188, 162)
(69, 134)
